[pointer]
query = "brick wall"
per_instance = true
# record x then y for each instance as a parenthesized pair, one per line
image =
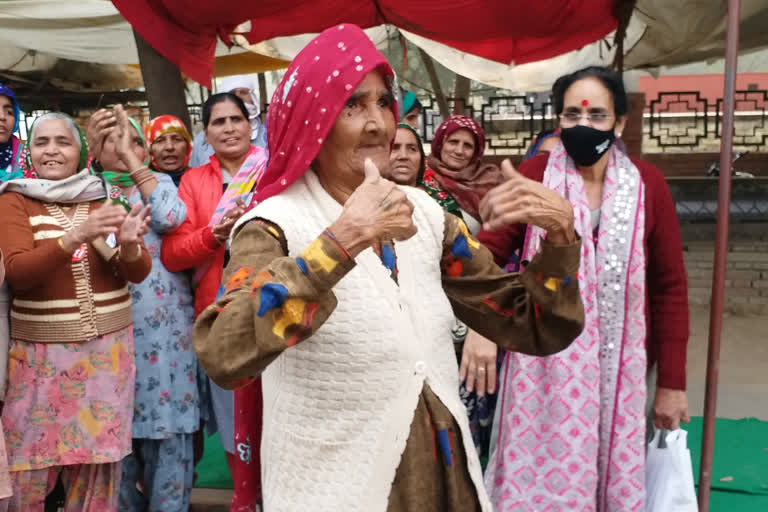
(696, 164)
(746, 285)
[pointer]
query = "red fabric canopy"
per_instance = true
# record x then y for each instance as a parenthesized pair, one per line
(185, 31)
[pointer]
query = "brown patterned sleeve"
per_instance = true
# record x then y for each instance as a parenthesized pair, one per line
(270, 302)
(536, 312)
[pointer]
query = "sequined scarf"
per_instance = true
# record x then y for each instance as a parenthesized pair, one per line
(572, 425)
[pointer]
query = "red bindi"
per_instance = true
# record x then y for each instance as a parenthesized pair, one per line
(584, 103)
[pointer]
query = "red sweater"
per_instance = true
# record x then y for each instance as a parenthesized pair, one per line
(193, 245)
(666, 283)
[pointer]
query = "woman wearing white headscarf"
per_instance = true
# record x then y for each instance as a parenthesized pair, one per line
(242, 87)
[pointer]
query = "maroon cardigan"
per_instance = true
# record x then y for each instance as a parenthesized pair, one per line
(666, 300)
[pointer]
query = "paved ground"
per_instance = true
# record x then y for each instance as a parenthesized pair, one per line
(743, 382)
(743, 389)
(210, 500)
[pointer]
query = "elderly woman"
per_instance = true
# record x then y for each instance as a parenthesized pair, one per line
(586, 405)
(406, 164)
(166, 409)
(71, 372)
(341, 291)
(170, 146)
(456, 175)
(215, 195)
(241, 86)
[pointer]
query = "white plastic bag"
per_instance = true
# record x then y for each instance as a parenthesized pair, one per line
(669, 474)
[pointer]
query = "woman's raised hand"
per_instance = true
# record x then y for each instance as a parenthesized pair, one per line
(124, 140)
(520, 200)
(135, 225)
(100, 125)
(376, 210)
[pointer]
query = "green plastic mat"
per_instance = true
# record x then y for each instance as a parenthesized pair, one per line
(739, 471)
(740, 462)
(212, 470)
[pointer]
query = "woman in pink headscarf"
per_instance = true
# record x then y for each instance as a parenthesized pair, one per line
(340, 294)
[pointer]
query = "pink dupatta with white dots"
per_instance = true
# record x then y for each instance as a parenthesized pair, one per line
(571, 433)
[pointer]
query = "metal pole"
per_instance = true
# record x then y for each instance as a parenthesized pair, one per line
(721, 256)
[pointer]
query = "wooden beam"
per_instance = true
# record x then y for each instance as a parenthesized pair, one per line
(263, 95)
(435, 80)
(163, 82)
(461, 94)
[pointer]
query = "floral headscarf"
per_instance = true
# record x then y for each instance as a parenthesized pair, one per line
(162, 125)
(310, 98)
(466, 187)
(10, 150)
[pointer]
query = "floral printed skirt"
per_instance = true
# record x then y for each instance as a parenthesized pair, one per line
(5, 480)
(69, 403)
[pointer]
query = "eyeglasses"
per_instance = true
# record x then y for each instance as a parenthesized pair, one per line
(594, 118)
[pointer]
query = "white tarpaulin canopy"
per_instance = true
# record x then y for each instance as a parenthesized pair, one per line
(35, 34)
(660, 33)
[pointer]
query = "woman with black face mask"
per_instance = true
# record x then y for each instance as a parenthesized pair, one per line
(569, 427)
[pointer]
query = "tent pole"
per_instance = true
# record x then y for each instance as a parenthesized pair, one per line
(263, 95)
(163, 83)
(721, 255)
(442, 102)
(461, 91)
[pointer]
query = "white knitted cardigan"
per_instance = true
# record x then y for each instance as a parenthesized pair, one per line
(338, 406)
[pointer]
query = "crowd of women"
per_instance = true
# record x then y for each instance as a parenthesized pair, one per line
(402, 330)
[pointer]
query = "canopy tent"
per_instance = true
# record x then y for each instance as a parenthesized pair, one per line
(89, 43)
(503, 31)
(41, 35)
(660, 33)
(518, 45)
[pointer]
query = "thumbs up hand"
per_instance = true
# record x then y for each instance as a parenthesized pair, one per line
(520, 200)
(377, 210)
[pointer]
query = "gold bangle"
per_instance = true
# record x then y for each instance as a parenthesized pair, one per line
(129, 260)
(142, 168)
(61, 244)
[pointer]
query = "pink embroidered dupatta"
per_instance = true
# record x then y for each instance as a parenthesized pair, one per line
(572, 426)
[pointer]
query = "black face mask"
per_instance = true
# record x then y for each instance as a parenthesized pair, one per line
(586, 144)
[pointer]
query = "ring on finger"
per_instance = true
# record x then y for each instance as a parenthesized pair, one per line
(481, 370)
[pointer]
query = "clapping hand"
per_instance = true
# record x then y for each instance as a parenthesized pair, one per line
(224, 227)
(135, 225)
